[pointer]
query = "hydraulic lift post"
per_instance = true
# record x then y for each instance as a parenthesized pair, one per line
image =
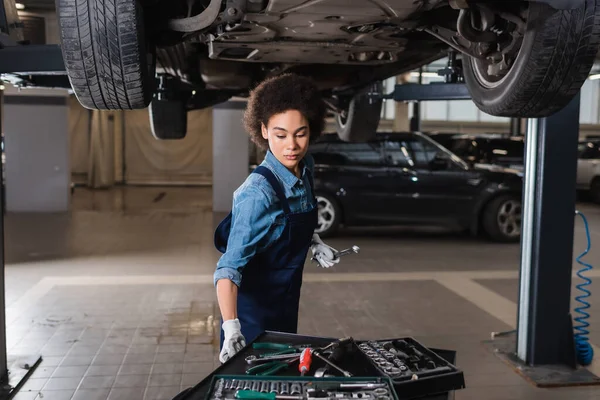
(545, 329)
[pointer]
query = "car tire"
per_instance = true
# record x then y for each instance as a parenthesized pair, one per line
(168, 119)
(502, 219)
(330, 215)
(109, 63)
(595, 190)
(556, 55)
(360, 120)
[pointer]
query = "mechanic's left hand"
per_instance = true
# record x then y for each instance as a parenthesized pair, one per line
(325, 255)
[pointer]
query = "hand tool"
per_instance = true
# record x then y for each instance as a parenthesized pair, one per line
(270, 368)
(261, 359)
(280, 348)
(351, 250)
(336, 344)
(318, 354)
(264, 387)
(285, 388)
(256, 386)
(295, 389)
(274, 387)
(250, 395)
(247, 385)
(305, 361)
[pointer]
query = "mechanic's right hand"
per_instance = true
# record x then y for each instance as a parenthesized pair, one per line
(234, 341)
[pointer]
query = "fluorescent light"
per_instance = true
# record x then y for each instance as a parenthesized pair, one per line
(594, 77)
(20, 6)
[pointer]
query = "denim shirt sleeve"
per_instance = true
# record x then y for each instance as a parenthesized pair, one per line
(251, 222)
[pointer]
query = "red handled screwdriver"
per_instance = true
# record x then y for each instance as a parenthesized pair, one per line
(305, 361)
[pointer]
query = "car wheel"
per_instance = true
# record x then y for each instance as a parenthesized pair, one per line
(168, 119)
(502, 219)
(554, 59)
(329, 215)
(109, 63)
(359, 121)
(595, 190)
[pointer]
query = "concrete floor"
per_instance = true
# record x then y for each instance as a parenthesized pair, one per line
(117, 296)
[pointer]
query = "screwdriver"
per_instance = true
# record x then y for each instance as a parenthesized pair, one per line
(252, 395)
(305, 361)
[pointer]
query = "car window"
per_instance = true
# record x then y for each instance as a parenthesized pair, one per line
(354, 154)
(424, 152)
(588, 151)
(467, 149)
(397, 153)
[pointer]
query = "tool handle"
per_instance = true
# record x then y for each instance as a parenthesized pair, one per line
(252, 395)
(270, 346)
(305, 361)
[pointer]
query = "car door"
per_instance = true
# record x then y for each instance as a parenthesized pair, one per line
(401, 185)
(359, 179)
(587, 164)
(446, 187)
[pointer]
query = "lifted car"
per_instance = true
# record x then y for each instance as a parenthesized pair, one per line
(524, 58)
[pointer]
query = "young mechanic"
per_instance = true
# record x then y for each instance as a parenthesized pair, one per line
(266, 237)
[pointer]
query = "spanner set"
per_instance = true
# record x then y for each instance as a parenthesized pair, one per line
(241, 388)
(403, 359)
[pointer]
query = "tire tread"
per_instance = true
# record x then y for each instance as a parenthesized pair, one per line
(104, 52)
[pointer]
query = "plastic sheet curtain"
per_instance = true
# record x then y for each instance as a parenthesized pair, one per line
(182, 162)
(111, 147)
(79, 140)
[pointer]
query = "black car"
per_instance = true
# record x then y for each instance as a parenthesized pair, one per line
(485, 150)
(407, 178)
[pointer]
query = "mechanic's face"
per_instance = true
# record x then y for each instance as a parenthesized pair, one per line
(288, 135)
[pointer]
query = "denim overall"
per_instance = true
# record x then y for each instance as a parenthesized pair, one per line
(269, 296)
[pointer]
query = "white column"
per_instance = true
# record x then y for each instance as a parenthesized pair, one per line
(230, 153)
(38, 177)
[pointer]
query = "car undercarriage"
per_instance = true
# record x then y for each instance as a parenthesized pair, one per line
(518, 59)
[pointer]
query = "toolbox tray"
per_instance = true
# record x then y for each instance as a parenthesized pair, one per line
(353, 361)
(377, 379)
(429, 381)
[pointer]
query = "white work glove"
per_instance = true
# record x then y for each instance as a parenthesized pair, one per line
(233, 341)
(323, 254)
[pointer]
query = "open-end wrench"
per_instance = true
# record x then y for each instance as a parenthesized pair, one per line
(351, 250)
(345, 373)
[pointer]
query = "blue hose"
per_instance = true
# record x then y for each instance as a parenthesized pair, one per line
(584, 350)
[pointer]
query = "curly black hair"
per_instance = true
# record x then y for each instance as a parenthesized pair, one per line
(280, 94)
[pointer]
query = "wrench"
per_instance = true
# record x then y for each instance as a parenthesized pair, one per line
(280, 357)
(351, 250)
(345, 373)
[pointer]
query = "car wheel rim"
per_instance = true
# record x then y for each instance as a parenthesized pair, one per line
(509, 218)
(326, 214)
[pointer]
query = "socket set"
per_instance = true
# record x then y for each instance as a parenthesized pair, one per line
(244, 388)
(404, 359)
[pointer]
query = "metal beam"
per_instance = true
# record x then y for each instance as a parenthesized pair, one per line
(544, 326)
(34, 59)
(430, 92)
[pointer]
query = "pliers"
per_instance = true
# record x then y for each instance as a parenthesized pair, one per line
(279, 347)
(270, 368)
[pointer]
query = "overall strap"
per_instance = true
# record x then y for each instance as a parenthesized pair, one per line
(268, 174)
(312, 185)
